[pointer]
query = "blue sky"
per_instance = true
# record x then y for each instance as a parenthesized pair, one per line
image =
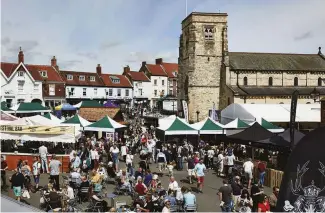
(115, 33)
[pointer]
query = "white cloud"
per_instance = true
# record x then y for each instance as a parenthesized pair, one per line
(82, 33)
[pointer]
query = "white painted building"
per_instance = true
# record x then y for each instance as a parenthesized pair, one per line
(84, 86)
(141, 86)
(118, 88)
(159, 81)
(18, 84)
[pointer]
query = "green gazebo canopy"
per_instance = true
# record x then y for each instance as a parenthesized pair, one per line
(106, 124)
(29, 108)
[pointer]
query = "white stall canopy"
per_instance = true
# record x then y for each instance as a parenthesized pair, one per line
(270, 112)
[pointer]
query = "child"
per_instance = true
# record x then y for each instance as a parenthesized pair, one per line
(170, 168)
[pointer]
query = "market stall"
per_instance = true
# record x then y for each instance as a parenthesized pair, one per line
(235, 126)
(87, 104)
(176, 126)
(77, 119)
(268, 125)
(106, 124)
(208, 127)
(29, 108)
(52, 117)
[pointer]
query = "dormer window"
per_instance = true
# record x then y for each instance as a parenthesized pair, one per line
(81, 78)
(175, 73)
(115, 79)
(69, 77)
(43, 74)
(92, 78)
(208, 33)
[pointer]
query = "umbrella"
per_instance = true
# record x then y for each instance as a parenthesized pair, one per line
(65, 106)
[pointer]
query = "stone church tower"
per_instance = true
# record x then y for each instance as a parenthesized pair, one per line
(203, 63)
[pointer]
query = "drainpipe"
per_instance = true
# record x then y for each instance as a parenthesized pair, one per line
(237, 83)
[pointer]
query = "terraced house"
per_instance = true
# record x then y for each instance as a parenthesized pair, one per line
(84, 86)
(22, 82)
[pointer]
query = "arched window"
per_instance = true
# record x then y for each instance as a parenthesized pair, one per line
(281, 103)
(270, 81)
(295, 81)
(245, 81)
(308, 103)
(319, 82)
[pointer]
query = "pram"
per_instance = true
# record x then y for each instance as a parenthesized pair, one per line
(124, 189)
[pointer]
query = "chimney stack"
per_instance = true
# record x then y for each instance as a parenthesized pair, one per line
(20, 56)
(144, 63)
(54, 63)
(159, 61)
(99, 70)
(126, 69)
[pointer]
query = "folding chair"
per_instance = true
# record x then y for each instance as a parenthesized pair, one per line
(191, 208)
(96, 204)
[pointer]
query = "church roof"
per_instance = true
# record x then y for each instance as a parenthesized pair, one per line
(276, 61)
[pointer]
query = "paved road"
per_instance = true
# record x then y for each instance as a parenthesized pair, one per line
(208, 201)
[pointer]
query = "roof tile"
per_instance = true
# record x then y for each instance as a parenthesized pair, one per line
(75, 79)
(156, 70)
(52, 74)
(276, 61)
(170, 68)
(138, 76)
(124, 81)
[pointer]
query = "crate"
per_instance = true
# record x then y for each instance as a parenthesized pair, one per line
(276, 178)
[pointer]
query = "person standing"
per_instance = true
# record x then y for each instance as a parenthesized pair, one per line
(94, 156)
(248, 169)
(230, 161)
(225, 196)
(55, 165)
(17, 183)
(210, 157)
(220, 164)
(124, 151)
(36, 171)
(261, 169)
(236, 187)
(4, 167)
(129, 163)
(43, 154)
(162, 161)
(115, 153)
(200, 170)
(190, 168)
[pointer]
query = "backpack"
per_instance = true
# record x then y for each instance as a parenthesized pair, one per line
(184, 152)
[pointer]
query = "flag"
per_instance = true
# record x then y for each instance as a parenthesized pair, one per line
(213, 114)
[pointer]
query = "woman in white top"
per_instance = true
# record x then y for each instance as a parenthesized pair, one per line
(129, 163)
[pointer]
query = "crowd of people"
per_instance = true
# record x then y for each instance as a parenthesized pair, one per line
(94, 163)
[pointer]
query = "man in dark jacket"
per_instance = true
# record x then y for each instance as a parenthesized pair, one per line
(17, 183)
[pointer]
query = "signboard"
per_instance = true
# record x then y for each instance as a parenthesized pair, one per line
(293, 111)
(110, 136)
(48, 130)
(170, 105)
(185, 109)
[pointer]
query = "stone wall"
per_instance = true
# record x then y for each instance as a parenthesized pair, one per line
(201, 62)
(261, 78)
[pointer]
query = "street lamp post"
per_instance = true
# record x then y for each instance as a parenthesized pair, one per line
(315, 95)
(197, 115)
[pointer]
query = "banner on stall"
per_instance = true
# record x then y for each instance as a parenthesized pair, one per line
(48, 130)
(185, 109)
